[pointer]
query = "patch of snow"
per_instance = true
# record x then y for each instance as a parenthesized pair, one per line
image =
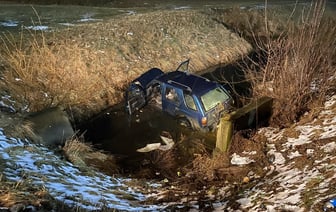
(244, 202)
(182, 8)
(6, 105)
(329, 121)
(272, 134)
(329, 147)
(130, 12)
(330, 102)
(88, 17)
(259, 7)
(306, 132)
(67, 24)
(292, 155)
(239, 160)
(9, 23)
(38, 28)
(278, 157)
(329, 131)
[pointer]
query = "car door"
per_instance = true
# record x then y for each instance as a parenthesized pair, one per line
(171, 100)
(135, 98)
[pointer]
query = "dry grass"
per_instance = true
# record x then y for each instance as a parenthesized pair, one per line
(296, 65)
(253, 24)
(21, 194)
(85, 69)
(207, 168)
(84, 156)
(44, 75)
(170, 164)
(300, 68)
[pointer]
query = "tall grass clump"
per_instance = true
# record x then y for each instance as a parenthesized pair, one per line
(300, 68)
(85, 156)
(39, 74)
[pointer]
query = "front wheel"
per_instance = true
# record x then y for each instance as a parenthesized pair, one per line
(184, 122)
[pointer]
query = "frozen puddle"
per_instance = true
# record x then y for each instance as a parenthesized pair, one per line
(90, 191)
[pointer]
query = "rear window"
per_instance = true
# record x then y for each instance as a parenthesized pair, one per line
(213, 97)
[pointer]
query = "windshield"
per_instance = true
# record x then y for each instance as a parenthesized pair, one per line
(213, 97)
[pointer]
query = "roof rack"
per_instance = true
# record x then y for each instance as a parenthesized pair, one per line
(180, 84)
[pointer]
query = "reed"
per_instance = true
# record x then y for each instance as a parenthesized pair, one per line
(300, 68)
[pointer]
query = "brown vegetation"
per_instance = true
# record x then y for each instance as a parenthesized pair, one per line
(86, 68)
(84, 155)
(18, 195)
(43, 75)
(300, 69)
(296, 65)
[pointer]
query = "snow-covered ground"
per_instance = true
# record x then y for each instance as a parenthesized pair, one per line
(42, 167)
(303, 173)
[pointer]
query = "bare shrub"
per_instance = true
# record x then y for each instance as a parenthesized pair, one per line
(300, 66)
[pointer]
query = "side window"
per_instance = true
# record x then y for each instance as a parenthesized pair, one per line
(171, 95)
(189, 101)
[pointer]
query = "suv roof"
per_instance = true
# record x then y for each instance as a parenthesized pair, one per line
(187, 81)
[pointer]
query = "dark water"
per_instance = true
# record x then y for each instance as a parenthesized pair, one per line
(123, 134)
(120, 134)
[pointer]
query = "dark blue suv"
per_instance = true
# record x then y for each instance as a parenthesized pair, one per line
(195, 101)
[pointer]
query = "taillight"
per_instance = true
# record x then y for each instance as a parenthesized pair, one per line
(204, 121)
